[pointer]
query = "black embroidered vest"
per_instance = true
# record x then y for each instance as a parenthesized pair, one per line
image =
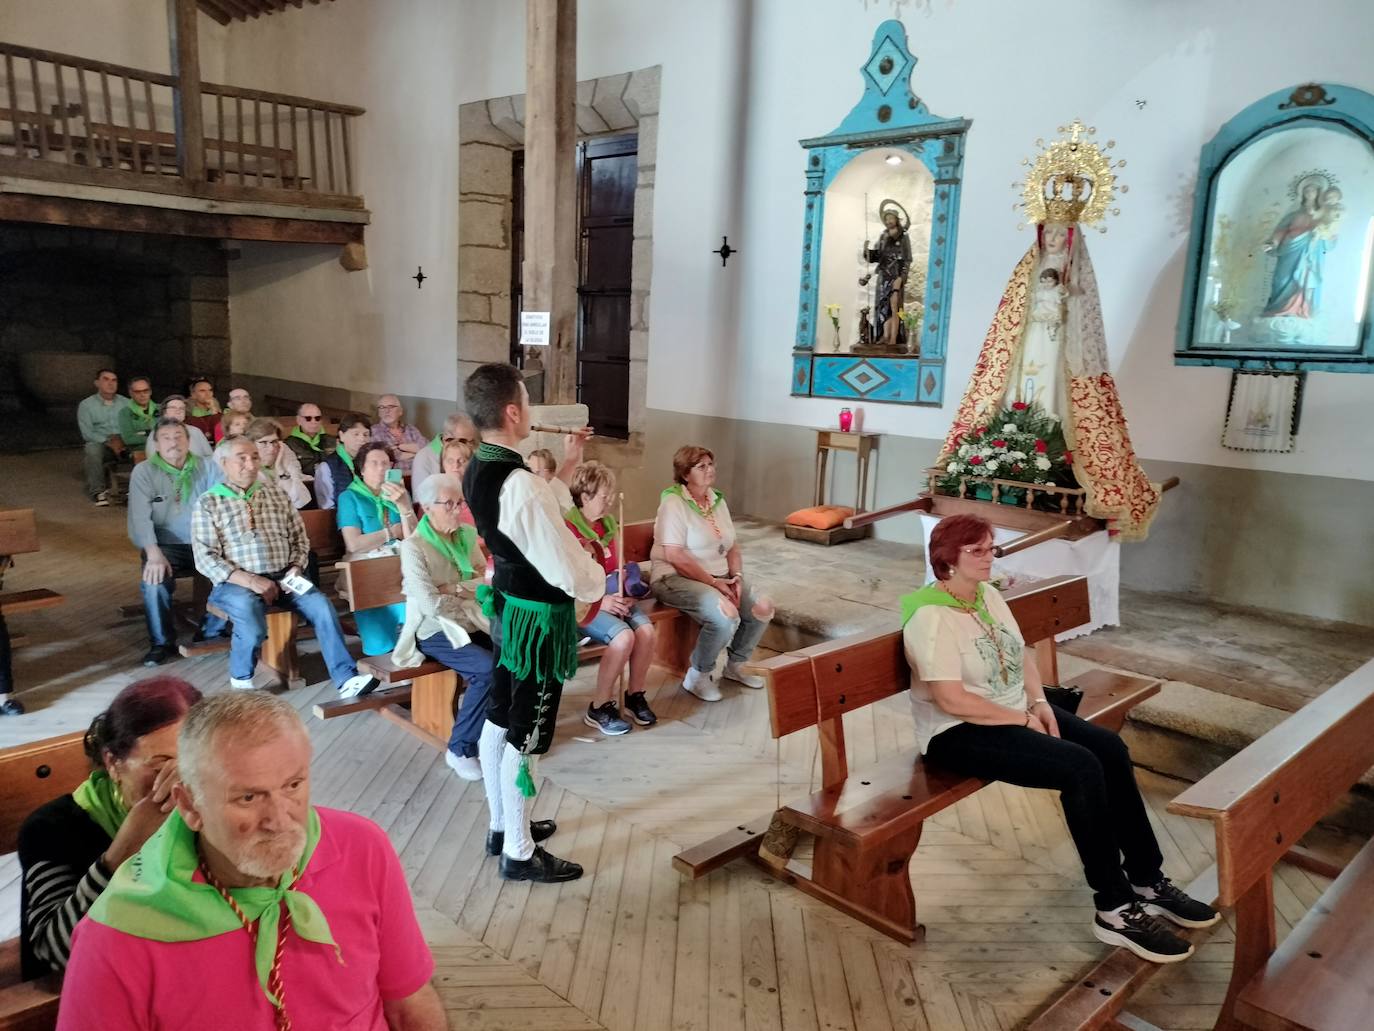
(513, 575)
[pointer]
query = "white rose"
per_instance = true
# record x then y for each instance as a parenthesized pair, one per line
(953, 467)
(1042, 463)
(992, 467)
(1009, 428)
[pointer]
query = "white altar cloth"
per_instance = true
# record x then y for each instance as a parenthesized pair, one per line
(1097, 556)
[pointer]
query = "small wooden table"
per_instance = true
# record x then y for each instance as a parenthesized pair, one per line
(862, 445)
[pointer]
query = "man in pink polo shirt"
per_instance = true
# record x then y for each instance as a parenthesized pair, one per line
(250, 908)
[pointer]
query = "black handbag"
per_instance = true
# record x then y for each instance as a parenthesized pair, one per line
(1066, 698)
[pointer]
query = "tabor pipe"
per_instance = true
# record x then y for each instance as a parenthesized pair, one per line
(1030, 540)
(1168, 484)
(568, 431)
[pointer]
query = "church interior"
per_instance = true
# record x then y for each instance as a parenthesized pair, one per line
(796, 290)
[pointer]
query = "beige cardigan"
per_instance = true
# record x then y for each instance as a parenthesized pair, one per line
(428, 612)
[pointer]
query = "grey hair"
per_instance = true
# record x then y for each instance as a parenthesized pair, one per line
(428, 491)
(226, 445)
(251, 714)
(165, 421)
(455, 420)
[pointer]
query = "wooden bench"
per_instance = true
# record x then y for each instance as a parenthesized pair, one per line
(433, 693)
(32, 775)
(19, 536)
(675, 632)
(868, 823)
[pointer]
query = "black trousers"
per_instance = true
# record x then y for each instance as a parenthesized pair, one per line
(526, 709)
(6, 669)
(1091, 769)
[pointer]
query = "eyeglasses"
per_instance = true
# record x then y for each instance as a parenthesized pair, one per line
(310, 418)
(450, 505)
(388, 408)
(978, 552)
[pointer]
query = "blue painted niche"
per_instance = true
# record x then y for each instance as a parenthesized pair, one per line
(1259, 294)
(892, 119)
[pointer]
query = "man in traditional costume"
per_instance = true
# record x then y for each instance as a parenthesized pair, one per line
(1035, 352)
(540, 571)
(250, 908)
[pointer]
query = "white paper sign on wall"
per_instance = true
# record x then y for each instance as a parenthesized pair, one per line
(534, 328)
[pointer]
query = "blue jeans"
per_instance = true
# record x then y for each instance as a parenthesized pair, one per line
(93, 462)
(740, 634)
(473, 663)
(157, 599)
(248, 613)
(605, 627)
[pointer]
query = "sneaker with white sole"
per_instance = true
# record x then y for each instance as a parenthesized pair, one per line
(606, 718)
(735, 671)
(466, 766)
(241, 685)
(101, 499)
(702, 683)
(1146, 935)
(357, 685)
(1167, 899)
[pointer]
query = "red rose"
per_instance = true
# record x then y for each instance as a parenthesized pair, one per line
(1041, 447)
(1018, 406)
(976, 460)
(999, 443)
(1016, 468)
(1068, 457)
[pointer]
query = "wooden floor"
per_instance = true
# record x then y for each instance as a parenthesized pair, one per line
(631, 945)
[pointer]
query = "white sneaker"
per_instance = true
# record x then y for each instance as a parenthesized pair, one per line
(702, 684)
(241, 685)
(102, 499)
(357, 685)
(466, 766)
(735, 671)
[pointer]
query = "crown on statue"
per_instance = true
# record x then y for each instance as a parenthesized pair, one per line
(1071, 180)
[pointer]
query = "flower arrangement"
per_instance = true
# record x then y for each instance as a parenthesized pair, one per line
(1021, 442)
(833, 310)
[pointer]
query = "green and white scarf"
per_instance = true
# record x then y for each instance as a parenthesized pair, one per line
(679, 490)
(437, 445)
(224, 490)
(184, 478)
(574, 515)
(143, 417)
(456, 548)
(311, 442)
(933, 594)
(154, 896)
(98, 795)
(381, 505)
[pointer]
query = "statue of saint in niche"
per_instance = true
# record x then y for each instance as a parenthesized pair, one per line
(892, 256)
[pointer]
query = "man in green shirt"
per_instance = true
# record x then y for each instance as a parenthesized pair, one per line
(139, 416)
(98, 419)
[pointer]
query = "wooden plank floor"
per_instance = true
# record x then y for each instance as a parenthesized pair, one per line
(631, 945)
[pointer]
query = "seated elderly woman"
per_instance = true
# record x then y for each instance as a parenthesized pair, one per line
(698, 568)
(371, 512)
(455, 458)
(280, 466)
(980, 711)
(621, 626)
(441, 569)
(337, 469)
(70, 848)
(174, 407)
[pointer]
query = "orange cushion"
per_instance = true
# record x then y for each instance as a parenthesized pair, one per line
(821, 517)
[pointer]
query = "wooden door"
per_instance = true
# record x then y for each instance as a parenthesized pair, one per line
(607, 171)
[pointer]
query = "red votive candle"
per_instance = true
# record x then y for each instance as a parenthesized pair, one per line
(846, 420)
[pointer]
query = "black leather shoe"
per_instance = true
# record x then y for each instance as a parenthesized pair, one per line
(158, 654)
(540, 830)
(10, 707)
(540, 867)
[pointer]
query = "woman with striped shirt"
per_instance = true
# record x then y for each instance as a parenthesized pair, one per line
(70, 848)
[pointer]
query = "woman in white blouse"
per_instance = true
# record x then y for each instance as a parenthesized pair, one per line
(980, 711)
(280, 466)
(698, 568)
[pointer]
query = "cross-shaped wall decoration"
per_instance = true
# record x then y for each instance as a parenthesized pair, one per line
(725, 250)
(419, 277)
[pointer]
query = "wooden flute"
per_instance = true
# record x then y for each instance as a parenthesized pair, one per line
(570, 431)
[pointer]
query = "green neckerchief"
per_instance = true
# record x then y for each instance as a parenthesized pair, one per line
(347, 460)
(574, 515)
(437, 445)
(496, 453)
(312, 442)
(144, 417)
(932, 594)
(226, 491)
(201, 413)
(99, 796)
(456, 548)
(153, 896)
(379, 503)
(679, 490)
(183, 477)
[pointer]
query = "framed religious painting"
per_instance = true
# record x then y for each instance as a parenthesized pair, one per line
(1279, 270)
(879, 228)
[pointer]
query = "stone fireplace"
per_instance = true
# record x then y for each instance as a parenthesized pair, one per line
(72, 300)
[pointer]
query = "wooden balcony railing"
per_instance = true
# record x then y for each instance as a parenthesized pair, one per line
(112, 124)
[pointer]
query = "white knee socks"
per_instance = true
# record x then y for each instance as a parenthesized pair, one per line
(490, 747)
(515, 807)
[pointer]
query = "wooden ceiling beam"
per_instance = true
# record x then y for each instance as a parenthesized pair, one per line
(214, 10)
(225, 11)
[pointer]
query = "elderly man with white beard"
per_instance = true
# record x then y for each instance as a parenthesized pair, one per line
(250, 908)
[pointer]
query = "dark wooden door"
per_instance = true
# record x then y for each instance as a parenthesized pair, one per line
(607, 171)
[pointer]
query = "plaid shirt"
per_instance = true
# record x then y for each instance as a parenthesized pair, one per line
(226, 535)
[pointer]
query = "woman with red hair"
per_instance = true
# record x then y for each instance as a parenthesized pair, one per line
(980, 711)
(70, 848)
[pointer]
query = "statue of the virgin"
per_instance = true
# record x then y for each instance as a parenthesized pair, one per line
(1047, 345)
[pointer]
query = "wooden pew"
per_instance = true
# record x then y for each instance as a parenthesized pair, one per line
(19, 536)
(867, 823)
(32, 775)
(433, 693)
